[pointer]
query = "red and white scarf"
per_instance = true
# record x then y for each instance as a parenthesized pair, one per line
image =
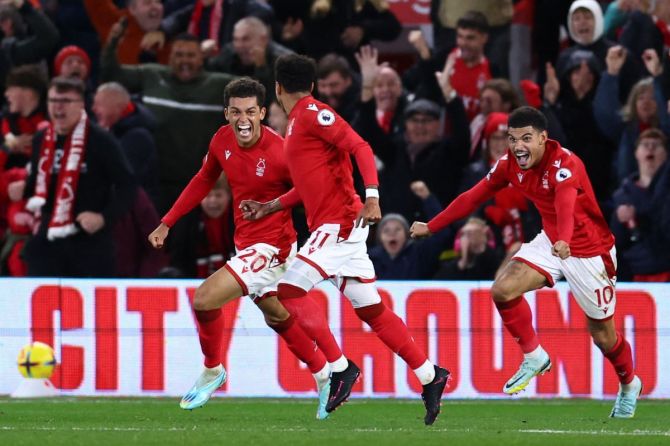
(62, 218)
(214, 20)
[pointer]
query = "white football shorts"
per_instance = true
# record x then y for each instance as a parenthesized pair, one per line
(592, 280)
(257, 269)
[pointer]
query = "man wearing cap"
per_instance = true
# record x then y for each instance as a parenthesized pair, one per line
(421, 153)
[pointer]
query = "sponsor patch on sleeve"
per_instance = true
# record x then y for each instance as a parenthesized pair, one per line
(325, 117)
(563, 174)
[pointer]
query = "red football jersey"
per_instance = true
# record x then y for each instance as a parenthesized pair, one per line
(559, 174)
(468, 81)
(318, 145)
(255, 173)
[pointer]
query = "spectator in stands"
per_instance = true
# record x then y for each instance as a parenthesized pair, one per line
(80, 184)
(382, 102)
(396, 256)
(72, 61)
(142, 42)
(24, 116)
(320, 27)
(498, 13)
(182, 138)
(569, 95)
(132, 125)
(466, 66)
(639, 202)
(20, 46)
(212, 21)
(421, 153)
(646, 107)
(210, 236)
(477, 259)
(277, 118)
(336, 86)
(497, 95)
(251, 53)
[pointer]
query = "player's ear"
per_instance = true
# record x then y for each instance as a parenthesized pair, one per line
(263, 112)
(277, 89)
(311, 87)
(225, 112)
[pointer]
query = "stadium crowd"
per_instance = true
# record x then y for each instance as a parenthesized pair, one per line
(80, 192)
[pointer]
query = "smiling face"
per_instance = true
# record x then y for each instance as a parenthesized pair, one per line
(186, 60)
(527, 145)
(332, 87)
(393, 237)
(245, 116)
(216, 202)
(148, 13)
(387, 89)
(471, 43)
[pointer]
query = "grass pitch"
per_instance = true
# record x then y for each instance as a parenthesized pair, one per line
(160, 421)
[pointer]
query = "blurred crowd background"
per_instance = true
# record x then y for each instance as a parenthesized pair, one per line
(431, 98)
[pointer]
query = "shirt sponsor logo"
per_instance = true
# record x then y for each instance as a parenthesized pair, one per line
(325, 118)
(563, 174)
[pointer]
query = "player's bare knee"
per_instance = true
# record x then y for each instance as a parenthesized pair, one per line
(204, 299)
(502, 290)
(273, 311)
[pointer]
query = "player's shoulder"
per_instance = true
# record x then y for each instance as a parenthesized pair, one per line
(563, 164)
(224, 133)
(272, 136)
(316, 113)
(500, 167)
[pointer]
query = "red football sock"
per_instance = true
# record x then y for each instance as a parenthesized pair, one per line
(518, 321)
(300, 344)
(210, 332)
(621, 358)
(393, 332)
(313, 322)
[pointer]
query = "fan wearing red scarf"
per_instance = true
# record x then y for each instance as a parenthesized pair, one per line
(79, 183)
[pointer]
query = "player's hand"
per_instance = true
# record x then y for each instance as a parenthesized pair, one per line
(158, 236)
(616, 56)
(90, 222)
(370, 214)
(652, 62)
(552, 87)
(254, 210)
(561, 249)
(419, 230)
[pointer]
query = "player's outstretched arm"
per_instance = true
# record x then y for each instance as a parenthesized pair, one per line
(158, 236)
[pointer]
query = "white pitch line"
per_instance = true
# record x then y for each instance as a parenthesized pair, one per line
(635, 433)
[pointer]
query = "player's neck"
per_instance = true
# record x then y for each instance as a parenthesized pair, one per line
(290, 100)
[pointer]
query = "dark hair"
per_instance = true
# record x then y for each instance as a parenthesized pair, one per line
(295, 73)
(505, 89)
(333, 63)
(27, 76)
(473, 20)
(653, 133)
(186, 37)
(527, 116)
(244, 87)
(64, 84)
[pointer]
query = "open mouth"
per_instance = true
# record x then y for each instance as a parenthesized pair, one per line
(244, 130)
(522, 158)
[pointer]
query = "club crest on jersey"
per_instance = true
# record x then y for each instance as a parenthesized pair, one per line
(312, 107)
(228, 153)
(563, 174)
(325, 117)
(260, 167)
